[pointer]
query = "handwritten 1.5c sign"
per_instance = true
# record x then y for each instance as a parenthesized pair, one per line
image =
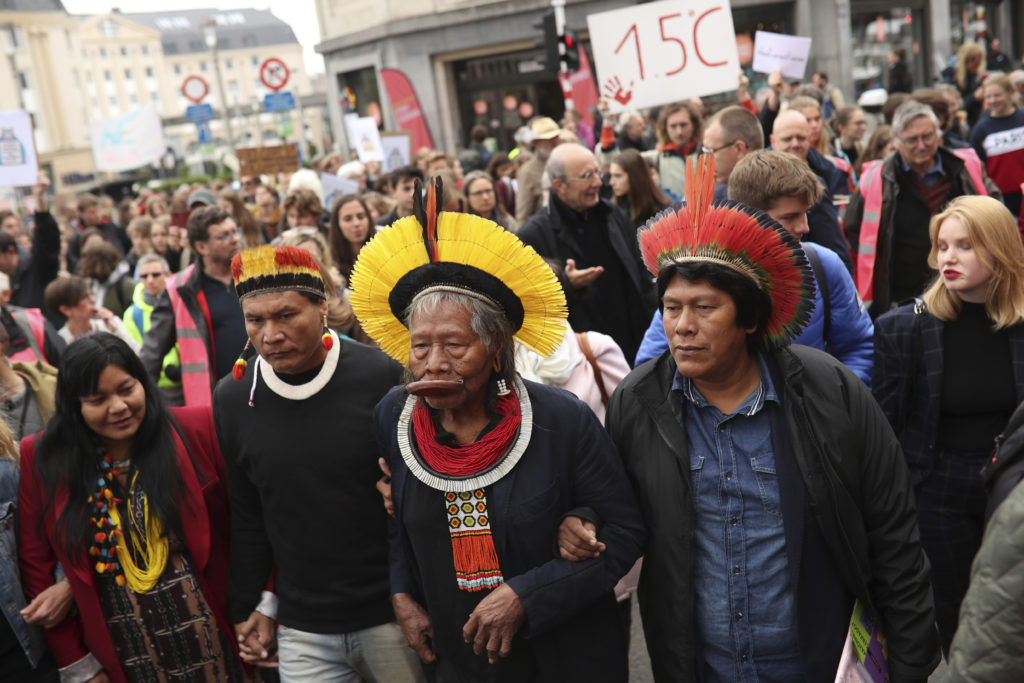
(663, 52)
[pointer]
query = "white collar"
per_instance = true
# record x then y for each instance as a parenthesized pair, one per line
(299, 392)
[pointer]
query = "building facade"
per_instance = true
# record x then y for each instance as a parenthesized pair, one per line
(475, 61)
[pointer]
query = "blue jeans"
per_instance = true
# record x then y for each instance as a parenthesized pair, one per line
(377, 654)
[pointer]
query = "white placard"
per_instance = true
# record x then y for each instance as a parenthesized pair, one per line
(786, 53)
(364, 138)
(121, 143)
(397, 150)
(335, 186)
(18, 166)
(652, 54)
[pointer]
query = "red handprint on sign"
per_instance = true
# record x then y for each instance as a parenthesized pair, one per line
(613, 89)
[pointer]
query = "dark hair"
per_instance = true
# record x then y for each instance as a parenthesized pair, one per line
(99, 260)
(753, 306)
(410, 172)
(6, 241)
(200, 220)
(341, 251)
(498, 159)
(645, 199)
(478, 133)
(68, 455)
(64, 291)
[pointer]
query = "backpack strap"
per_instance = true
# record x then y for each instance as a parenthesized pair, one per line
(581, 339)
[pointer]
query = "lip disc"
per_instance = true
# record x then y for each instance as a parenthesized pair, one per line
(428, 388)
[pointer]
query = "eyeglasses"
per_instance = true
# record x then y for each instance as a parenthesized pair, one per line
(225, 236)
(586, 177)
(708, 150)
(927, 139)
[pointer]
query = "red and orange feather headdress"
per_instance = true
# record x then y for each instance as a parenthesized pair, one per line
(738, 237)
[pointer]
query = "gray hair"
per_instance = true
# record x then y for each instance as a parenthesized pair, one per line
(910, 110)
(153, 258)
(486, 320)
(555, 168)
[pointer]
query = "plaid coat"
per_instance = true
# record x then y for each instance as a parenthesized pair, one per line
(907, 383)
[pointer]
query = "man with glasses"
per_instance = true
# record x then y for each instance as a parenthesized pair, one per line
(199, 310)
(887, 220)
(594, 245)
(730, 134)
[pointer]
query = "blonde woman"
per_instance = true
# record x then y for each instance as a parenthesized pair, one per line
(949, 372)
(967, 74)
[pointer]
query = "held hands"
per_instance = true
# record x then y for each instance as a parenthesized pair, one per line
(415, 625)
(577, 539)
(494, 622)
(50, 607)
(580, 278)
(384, 486)
(39, 191)
(257, 640)
(775, 81)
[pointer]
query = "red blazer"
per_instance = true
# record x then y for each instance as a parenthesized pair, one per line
(204, 519)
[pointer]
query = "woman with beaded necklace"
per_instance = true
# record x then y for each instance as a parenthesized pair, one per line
(130, 499)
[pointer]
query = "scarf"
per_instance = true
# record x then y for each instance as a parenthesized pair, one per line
(476, 561)
(676, 149)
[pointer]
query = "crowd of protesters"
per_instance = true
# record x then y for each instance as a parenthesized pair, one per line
(121, 330)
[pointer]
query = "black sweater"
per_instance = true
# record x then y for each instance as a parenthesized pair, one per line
(301, 477)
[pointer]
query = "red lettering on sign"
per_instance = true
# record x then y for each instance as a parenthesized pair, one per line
(636, 40)
(670, 39)
(696, 45)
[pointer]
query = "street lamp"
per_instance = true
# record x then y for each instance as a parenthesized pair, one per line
(210, 34)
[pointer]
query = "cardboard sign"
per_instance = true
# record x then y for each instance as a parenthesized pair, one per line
(269, 160)
(652, 54)
(18, 167)
(786, 53)
(123, 143)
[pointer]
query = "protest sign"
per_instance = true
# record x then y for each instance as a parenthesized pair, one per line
(786, 53)
(123, 143)
(334, 187)
(18, 166)
(267, 160)
(661, 52)
(364, 138)
(397, 150)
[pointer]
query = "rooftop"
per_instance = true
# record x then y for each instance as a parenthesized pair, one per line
(181, 32)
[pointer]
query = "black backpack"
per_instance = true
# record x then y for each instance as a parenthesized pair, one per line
(1005, 469)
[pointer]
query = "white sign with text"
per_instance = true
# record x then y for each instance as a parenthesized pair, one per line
(123, 143)
(786, 53)
(651, 54)
(18, 166)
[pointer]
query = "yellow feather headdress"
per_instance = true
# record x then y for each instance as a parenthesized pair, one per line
(460, 252)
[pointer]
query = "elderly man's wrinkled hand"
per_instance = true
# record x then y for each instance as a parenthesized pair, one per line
(494, 623)
(415, 624)
(577, 539)
(581, 277)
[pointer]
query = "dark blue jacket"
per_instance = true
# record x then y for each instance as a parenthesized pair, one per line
(907, 383)
(569, 463)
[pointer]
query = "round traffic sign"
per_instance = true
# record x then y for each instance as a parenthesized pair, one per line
(274, 73)
(195, 88)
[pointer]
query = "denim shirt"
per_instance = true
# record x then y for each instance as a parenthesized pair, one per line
(745, 607)
(12, 600)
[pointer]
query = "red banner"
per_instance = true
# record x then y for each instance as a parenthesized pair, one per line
(584, 91)
(407, 108)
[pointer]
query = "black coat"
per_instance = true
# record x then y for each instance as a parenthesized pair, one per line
(548, 233)
(831, 435)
